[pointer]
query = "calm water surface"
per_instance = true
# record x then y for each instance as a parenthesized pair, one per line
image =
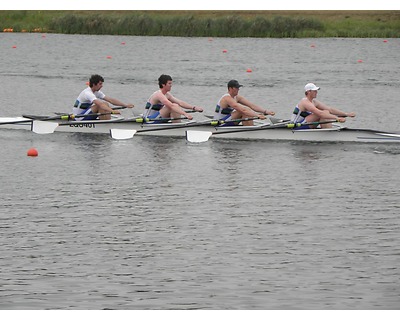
(157, 223)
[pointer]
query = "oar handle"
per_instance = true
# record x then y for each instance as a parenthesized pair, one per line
(193, 111)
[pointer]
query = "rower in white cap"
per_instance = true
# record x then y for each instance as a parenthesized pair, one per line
(309, 109)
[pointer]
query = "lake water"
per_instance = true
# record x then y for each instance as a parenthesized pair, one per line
(158, 223)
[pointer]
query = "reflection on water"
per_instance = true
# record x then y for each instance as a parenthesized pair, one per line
(306, 156)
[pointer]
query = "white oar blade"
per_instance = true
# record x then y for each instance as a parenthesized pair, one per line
(122, 134)
(198, 136)
(44, 127)
(274, 120)
(394, 135)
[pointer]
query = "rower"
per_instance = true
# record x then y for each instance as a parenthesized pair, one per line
(92, 100)
(232, 106)
(163, 105)
(309, 109)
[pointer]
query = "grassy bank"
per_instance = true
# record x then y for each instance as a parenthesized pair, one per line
(276, 24)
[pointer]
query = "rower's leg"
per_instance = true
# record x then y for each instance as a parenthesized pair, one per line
(312, 118)
(102, 109)
(323, 119)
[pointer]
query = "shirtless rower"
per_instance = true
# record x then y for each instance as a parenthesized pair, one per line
(163, 105)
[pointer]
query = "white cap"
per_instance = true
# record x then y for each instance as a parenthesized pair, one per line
(310, 86)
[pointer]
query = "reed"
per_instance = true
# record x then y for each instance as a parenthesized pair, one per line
(275, 24)
(185, 25)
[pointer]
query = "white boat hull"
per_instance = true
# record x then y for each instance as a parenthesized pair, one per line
(336, 134)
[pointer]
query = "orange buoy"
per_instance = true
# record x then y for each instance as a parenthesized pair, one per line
(359, 61)
(14, 47)
(32, 152)
(224, 51)
(312, 46)
(123, 43)
(249, 70)
(108, 57)
(385, 41)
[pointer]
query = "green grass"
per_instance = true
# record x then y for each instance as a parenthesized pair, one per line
(276, 24)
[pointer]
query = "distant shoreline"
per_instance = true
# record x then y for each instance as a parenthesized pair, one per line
(260, 24)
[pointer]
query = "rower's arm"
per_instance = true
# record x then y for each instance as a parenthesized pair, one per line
(169, 101)
(102, 105)
(181, 103)
(117, 102)
(341, 113)
(246, 111)
(253, 106)
(333, 110)
(317, 108)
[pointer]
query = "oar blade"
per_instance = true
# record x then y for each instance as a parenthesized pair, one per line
(394, 135)
(122, 134)
(197, 136)
(14, 120)
(274, 120)
(43, 127)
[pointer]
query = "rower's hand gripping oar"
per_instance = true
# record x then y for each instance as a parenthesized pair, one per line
(203, 136)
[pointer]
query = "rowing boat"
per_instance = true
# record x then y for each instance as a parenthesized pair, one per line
(194, 131)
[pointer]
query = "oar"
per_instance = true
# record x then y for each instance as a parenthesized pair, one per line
(193, 111)
(44, 127)
(40, 126)
(123, 134)
(203, 136)
(65, 117)
(68, 116)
